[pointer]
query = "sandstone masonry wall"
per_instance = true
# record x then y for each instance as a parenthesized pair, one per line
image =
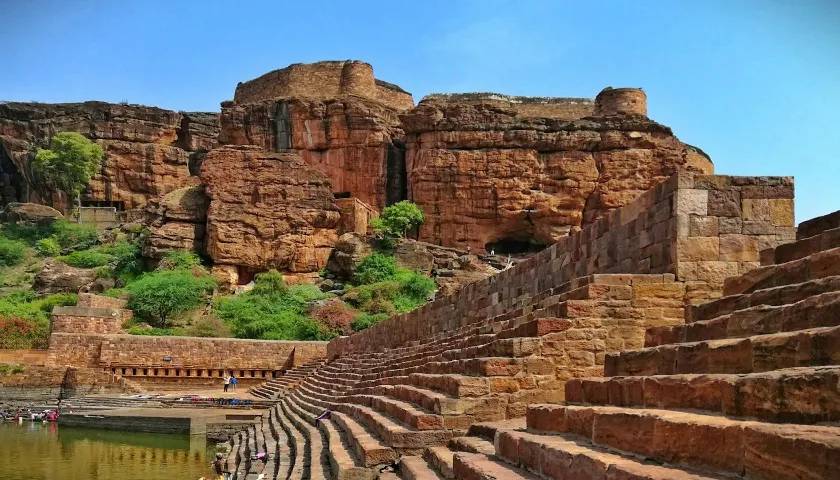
(322, 80)
(699, 228)
(537, 107)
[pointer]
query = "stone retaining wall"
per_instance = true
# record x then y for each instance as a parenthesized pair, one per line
(701, 228)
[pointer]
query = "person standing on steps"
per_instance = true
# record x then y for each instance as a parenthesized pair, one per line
(226, 379)
(233, 382)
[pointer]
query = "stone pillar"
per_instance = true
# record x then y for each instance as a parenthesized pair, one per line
(357, 79)
(621, 101)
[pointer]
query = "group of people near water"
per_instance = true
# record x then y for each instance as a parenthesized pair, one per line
(21, 414)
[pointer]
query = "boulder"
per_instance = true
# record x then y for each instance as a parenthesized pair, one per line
(176, 222)
(349, 251)
(57, 277)
(30, 213)
(267, 210)
(414, 255)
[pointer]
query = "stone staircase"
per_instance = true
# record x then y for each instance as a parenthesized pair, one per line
(409, 403)
(268, 436)
(276, 387)
(748, 387)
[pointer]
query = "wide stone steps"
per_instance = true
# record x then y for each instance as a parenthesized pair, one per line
(296, 447)
(709, 443)
(315, 464)
(477, 466)
(815, 311)
(781, 295)
(369, 450)
(817, 225)
(440, 460)
(799, 395)
(760, 353)
(804, 247)
(560, 457)
(819, 265)
(415, 468)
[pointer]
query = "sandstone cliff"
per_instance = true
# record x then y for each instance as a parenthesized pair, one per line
(516, 176)
(148, 150)
(267, 210)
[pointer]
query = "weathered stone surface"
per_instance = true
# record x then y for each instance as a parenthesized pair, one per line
(349, 250)
(484, 172)
(267, 210)
(148, 150)
(353, 141)
(177, 222)
(29, 213)
(57, 277)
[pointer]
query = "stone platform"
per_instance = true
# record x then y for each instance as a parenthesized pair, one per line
(192, 421)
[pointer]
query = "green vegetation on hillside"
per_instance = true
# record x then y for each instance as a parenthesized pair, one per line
(68, 164)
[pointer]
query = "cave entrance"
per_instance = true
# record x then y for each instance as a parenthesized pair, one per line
(11, 182)
(245, 275)
(514, 246)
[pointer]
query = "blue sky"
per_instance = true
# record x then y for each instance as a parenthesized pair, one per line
(756, 84)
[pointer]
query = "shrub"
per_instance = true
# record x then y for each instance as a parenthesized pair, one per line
(17, 332)
(208, 327)
(151, 331)
(24, 318)
(90, 258)
(269, 283)
(11, 368)
(125, 258)
(179, 260)
(74, 235)
(11, 251)
(375, 268)
(415, 284)
(335, 315)
(397, 219)
(48, 247)
(157, 296)
(365, 320)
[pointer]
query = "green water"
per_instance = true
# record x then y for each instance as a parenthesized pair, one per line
(39, 451)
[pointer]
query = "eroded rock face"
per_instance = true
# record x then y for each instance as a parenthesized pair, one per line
(148, 150)
(490, 177)
(177, 222)
(29, 213)
(353, 141)
(267, 210)
(56, 277)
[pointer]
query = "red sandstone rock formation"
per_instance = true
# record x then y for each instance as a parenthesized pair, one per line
(267, 210)
(148, 150)
(504, 172)
(176, 222)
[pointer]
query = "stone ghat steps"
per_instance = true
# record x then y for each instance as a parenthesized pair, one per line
(822, 310)
(818, 225)
(804, 395)
(276, 387)
(825, 263)
(773, 296)
(803, 247)
(713, 444)
(759, 353)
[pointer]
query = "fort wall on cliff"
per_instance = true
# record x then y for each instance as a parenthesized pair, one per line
(323, 80)
(699, 228)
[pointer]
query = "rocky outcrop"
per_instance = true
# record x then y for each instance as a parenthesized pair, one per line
(514, 178)
(267, 210)
(353, 141)
(148, 150)
(177, 222)
(29, 213)
(56, 277)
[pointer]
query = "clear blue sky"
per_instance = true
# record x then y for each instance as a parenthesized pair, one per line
(756, 84)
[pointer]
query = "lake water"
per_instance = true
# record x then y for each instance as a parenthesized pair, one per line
(39, 451)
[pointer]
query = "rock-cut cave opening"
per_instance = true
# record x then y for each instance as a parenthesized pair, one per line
(514, 246)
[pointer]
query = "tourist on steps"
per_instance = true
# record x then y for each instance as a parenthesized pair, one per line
(226, 379)
(233, 382)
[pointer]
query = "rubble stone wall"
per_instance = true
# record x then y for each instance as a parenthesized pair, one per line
(699, 228)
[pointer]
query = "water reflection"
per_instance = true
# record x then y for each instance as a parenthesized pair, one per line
(37, 451)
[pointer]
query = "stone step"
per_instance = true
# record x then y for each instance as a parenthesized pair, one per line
(815, 311)
(796, 395)
(819, 265)
(415, 468)
(477, 466)
(557, 456)
(385, 428)
(782, 295)
(472, 445)
(440, 403)
(817, 225)
(367, 447)
(403, 412)
(713, 444)
(440, 460)
(314, 461)
(824, 240)
(760, 353)
(488, 430)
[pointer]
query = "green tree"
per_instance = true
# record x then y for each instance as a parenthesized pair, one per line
(399, 218)
(68, 164)
(157, 296)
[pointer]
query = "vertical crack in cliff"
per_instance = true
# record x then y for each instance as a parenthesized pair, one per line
(282, 127)
(588, 207)
(396, 177)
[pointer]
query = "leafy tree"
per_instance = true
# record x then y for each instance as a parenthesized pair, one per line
(68, 164)
(397, 219)
(157, 296)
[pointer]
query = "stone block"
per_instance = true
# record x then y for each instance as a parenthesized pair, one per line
(691, 201)
(694, 249)
(739, 248)
(724, 203)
